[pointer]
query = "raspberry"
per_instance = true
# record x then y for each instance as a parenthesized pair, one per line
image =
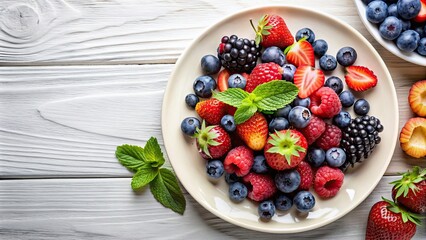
(239, 161)
(328, 181)
(260, 186)
(263, 73)
(330, 138)
(313, 131)
(306, 175)
(325, 103)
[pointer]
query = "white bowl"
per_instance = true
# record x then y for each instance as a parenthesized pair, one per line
(412, 57)
(190, 167)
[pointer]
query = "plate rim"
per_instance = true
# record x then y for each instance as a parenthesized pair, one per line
(260, 8)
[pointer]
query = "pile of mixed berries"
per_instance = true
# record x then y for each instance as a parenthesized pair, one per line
(277, 157)
(401, 21)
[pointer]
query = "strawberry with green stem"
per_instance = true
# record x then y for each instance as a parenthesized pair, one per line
(272, 31)
(212, 142)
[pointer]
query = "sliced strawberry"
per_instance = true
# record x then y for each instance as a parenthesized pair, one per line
(222, 80)
(360, 78)
(421, 17)
(308, 80)
(300, 53)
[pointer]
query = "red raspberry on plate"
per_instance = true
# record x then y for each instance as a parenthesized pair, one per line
(306, 175)
(239, 161)
(330, 138)
(313, 130)
(328, 181)
(325, 103)
(260, 186)
(263, 73)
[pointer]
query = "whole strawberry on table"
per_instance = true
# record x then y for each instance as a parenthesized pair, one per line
(276, 128)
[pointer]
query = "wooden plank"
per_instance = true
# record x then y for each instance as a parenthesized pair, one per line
(40, 32)
(109, 209)
(66, 121)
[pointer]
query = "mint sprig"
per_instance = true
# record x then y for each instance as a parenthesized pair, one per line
(267, 97)
(146, 163)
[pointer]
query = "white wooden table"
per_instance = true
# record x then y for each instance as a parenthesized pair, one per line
(79, 77)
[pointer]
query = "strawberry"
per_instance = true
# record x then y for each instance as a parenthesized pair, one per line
(254, 131)
(262, 73)
(211, 110)
(360, 78)
(413, 137)
(272, 31)
(212, 141)
(300, 53)
(416, 98)
(410, 190)
(388, 221)
(421, 17)
(285, 149)
(222, 80)
(308, 80)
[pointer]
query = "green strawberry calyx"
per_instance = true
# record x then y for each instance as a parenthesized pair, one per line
(408, 182)
(405, 215)
(206, 137)
(262, 28)
(285, 144)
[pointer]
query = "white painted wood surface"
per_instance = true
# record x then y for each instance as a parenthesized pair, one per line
(94, 76)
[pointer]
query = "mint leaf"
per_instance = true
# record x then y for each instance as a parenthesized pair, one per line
(244, 112)
(143, 176)
(232, 96)
(275, 94)
(152, 153)
(130, 157)
(166, 190)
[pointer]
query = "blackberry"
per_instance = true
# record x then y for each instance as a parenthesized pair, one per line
(359, 139)
(238, 54)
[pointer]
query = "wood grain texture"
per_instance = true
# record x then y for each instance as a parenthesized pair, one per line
(66, 121)
(108, 209)
(126, 31)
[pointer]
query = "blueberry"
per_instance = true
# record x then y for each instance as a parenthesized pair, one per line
(215, 168)
(408, 9)
(287, 181)
(204, 85)
(191, 100)
(421, 49)
(361, 107)
(408, 40)
(315, 156)
(320, 47)
(278, 124)
(306, 33)
(304, 102)
(266, 210)
(335, 157)
(342, 119)
(237, 81)
(259, 164)
(390, 28)
(189, 125)
(328, 63)
(334, 83)
(346, 56)
(406, 24)
(283, 202)
(273, 54)
(237, 191)
(393, 10)
(299, 117)
(231, 178)
(283, 112)
(377, 11)
(420, 30)
(304, 201)
(288, 72)
(347, 98)
(210, 64)
(228, 123)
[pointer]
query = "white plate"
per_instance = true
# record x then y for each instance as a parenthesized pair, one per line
(190, 167)
(412, 57)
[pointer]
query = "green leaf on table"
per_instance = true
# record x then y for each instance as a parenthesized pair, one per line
(143, 176)
(244, 112)
(232, 96)
(152, 153)
(166, 190)
(130, 156)
(275, 94)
